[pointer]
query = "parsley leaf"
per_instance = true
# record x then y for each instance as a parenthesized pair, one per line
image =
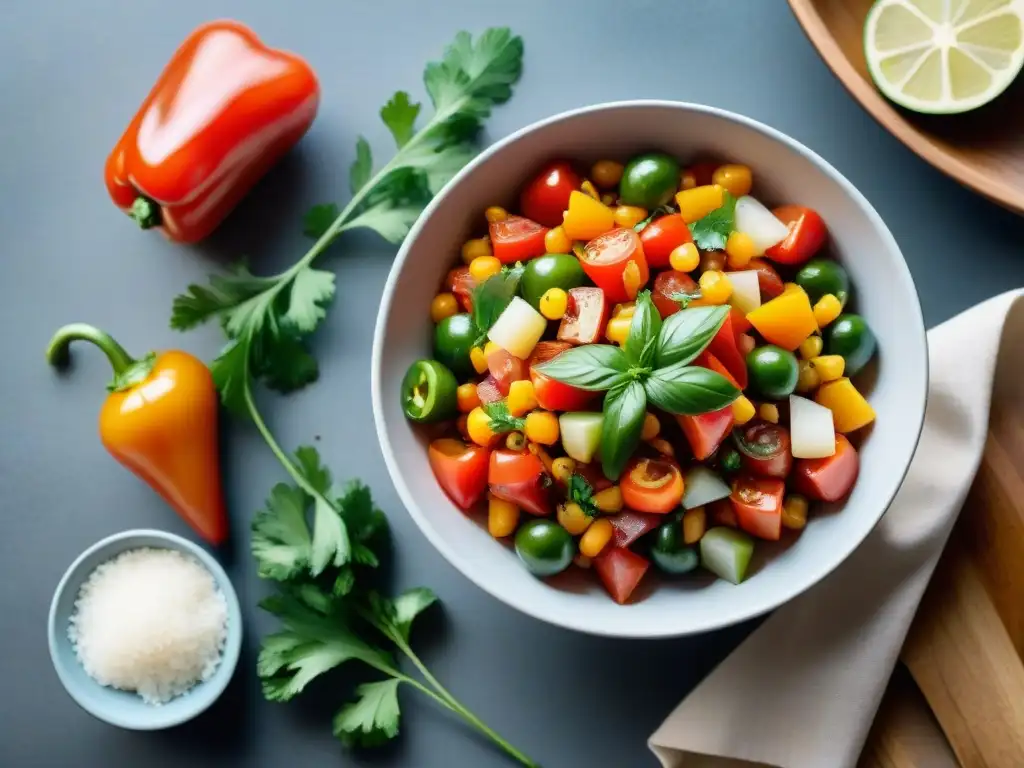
(318, 220)
(399, 115)
(373, 718)
(711, 231)
(501, 420)
(281, 540)
(362, 167)
(582, 492)
(392, 222)
(491, 298)
(311, 292)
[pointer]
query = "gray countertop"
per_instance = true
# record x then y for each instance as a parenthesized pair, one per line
(71, 76)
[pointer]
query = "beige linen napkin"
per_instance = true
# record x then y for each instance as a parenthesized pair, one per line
(802, 690)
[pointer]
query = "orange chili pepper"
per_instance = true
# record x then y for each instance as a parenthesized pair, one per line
(223, 111)
(160, 421)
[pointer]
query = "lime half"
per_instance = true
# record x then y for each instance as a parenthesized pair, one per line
(944, 56)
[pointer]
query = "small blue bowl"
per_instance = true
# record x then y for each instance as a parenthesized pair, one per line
(122, 708)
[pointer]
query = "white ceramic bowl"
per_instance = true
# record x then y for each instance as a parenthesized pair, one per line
(784, 171)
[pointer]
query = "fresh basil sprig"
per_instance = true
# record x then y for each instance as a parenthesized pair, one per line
(653, 365)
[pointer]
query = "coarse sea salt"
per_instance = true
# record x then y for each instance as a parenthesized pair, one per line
(152, 621)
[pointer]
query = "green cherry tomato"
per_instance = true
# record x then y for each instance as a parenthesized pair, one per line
(669, 552)
(773, 371)
(649, 180)
(453, 338)
(428, 392)
(545, 547)
(821, 276)
(555, 270)
(850, 336)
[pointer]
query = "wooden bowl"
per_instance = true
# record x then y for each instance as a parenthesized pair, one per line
(983, 149)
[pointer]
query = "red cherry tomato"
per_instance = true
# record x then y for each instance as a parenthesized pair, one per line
(555, 395)
(460, 282)
(546, 198)
(460, 469)
(758, 506)
(807, 234)
(724, 347)
(521, 479)
(661, 237)
(707, 431)
(668, 283)
(620, 571)
(768, 279)
(652, 485)
(605, 260)
(586, 315)
(765, 449)
(505, 369)
(630, 526)
(831, 478)
(517, 239)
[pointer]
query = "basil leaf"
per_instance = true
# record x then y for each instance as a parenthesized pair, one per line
(645, 326)
(624, 412)
(685, 334)
(689, 390)
(647, 355)
(491, 297)
(594, 367)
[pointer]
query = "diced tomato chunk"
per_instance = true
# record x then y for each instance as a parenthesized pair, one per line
(630, 526)
(831, 478)
(662, 236)
(620, 571)
(517, 239)
(706, 360)
(520, 477)
(758, 505)
(707, 431)
(807, 233)
(460, 469)
(504, 369)
(723, 346)
(461, 283)
(768, 279)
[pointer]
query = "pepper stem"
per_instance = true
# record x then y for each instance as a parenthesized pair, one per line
(127, 370)
(145, 212)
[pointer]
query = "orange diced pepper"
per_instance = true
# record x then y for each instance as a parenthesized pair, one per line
(786, 320)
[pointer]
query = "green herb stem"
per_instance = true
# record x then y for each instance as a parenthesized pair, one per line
(128, 372)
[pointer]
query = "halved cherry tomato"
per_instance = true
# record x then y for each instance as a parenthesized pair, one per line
(807, 234)
(630, 526)
(555, 395)
(546, 197)
(488, 390)
(521, 479)
(652, 485)
(662, 236)
(768, 279)
(724, 347)
(586, 315)
(620, 571)
(706, 360)
(668, 284)
(605, 260)
(707, 431)
(517, 239)
(758, 506)
(828, 479)
(460, 282)
(505, 368)
(460, 469)
(765, 449)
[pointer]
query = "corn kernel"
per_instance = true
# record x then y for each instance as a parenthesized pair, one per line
(515, 441)
(606, 173)
(608, 199)
(609, 500)
(502, 517)
(684, 258)
(618, 329)
(737, 179)
(687, 180)
(794, 512)
(651, 427)
(631, 280)
(521, 397)
(695, 522)
(478, 359)
(542, 427)
(829, 367)
(808, 380)
(596, 537)
(811, 347)
(474, 249)
(443, 305)
(495, 213)
(588, 188)
(698, 202)
(827, 309)
(484, 267)
(740, 249)
(490, 348)
(467, 397)
(662, 446)
(715, 288)
(553, 303)
(562, 469)
(478, 427)
(572, 517)
(629, 215)
(742, 410)
(769, 412)
(556, 241)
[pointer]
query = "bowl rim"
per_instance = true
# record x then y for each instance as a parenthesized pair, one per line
(232, 646)
(623, 629)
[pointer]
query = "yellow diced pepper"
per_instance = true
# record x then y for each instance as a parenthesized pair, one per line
(827, 309)
(629, 215)
(829, 367)
(850, 411)
(742, 410)
(769, 412)
(521, 397)
(588, 189)
(786, 320)
(586, 218)
(631, 280)
(698, 202)
(618, 329)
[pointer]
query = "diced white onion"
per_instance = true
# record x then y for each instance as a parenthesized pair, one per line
(702, 487)
(746, 290)
(518, 329)
(581, 434)
(811, 430)
(760, 223)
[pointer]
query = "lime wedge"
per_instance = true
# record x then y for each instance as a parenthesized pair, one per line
(944, 56)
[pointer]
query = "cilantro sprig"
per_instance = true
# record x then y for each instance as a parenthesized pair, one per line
(582, 492)
(501, 420)
(711, 232)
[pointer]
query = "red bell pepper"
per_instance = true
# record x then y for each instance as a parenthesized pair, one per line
(706, 360)
(707, 431)
(223, 111)
(723, 346)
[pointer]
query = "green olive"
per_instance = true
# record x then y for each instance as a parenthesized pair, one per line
(649, 180)
(453, 339)
(850, 336)
(555, 270)
(545, 547)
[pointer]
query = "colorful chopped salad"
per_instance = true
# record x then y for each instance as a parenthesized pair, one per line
(647, 365)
